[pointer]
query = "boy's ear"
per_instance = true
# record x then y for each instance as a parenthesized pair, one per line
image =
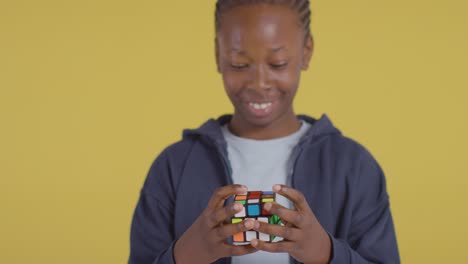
(308, 50)
(217, 55)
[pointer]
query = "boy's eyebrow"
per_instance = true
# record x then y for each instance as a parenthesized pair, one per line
(277, 49)
(236, 50)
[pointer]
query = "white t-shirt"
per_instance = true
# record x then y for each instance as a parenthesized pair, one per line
(259, 164)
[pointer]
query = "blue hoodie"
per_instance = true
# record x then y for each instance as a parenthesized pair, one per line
(342, 182)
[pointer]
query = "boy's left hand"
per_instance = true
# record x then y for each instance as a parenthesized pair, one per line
(304, 238)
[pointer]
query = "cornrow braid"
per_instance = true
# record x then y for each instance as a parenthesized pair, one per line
(302, 7)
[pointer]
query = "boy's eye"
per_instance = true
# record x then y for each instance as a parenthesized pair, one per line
(279, 65)
(239, 66)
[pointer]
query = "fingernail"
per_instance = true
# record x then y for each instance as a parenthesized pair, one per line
(254, 242)
(242, 188)
(267, 206)
(248, 224)
(257, 225)
(237, 206)
(276, 187)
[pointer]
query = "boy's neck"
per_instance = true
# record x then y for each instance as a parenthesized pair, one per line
(282, 127)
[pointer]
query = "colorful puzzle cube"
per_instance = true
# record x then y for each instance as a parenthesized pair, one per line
(253, 208)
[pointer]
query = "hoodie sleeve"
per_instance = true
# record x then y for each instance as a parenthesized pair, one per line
(372, 237)
(152, 236)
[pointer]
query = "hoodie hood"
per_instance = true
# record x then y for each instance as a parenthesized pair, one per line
(211, 129)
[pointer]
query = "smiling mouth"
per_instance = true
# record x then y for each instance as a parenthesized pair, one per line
(259, 106)
(261, 109)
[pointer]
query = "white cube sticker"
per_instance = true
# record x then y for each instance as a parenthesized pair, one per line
(263, 236)
(250, 235)
(241, 213)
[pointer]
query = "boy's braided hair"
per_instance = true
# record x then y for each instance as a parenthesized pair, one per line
(302, 8)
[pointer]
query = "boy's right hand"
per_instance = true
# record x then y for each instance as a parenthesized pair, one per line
(205, 241)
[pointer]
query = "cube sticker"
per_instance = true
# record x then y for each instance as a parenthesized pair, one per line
(253, 209)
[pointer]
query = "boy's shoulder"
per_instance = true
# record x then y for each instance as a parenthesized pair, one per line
(343, 147)
(209, 130)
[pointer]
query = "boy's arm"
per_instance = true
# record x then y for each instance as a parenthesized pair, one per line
(377, 245)
(152, 238)
(372, 238)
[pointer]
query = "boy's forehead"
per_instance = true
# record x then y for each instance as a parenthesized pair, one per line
(259, 18)
(252, 26)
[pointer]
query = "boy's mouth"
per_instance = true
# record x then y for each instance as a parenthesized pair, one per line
(259, 106)
(261, 109)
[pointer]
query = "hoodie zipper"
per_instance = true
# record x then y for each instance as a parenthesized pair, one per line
(292, 166)
(292, 162)
(226, 165)
(228, 173)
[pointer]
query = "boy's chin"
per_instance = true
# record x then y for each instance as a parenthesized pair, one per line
(259, 122)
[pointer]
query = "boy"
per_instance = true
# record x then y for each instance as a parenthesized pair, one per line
(340, 212)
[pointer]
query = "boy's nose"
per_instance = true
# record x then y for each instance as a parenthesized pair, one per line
(260, 79)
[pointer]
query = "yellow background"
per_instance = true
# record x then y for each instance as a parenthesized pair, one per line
(91, 91)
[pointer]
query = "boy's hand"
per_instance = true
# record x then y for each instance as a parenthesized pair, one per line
(304, 238)
(205, 240)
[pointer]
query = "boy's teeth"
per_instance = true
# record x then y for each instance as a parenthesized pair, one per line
(260, 106)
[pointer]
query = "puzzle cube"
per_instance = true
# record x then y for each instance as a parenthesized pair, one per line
(253, 208)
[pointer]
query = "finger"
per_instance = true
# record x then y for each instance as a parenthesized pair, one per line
(282, 246)
(293, 217)
(294, 195)
(289, 233)
(222, 193)
(220, 215)
(231, 250)
(225, 231)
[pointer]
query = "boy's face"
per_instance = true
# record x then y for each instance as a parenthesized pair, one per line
(260, 53)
